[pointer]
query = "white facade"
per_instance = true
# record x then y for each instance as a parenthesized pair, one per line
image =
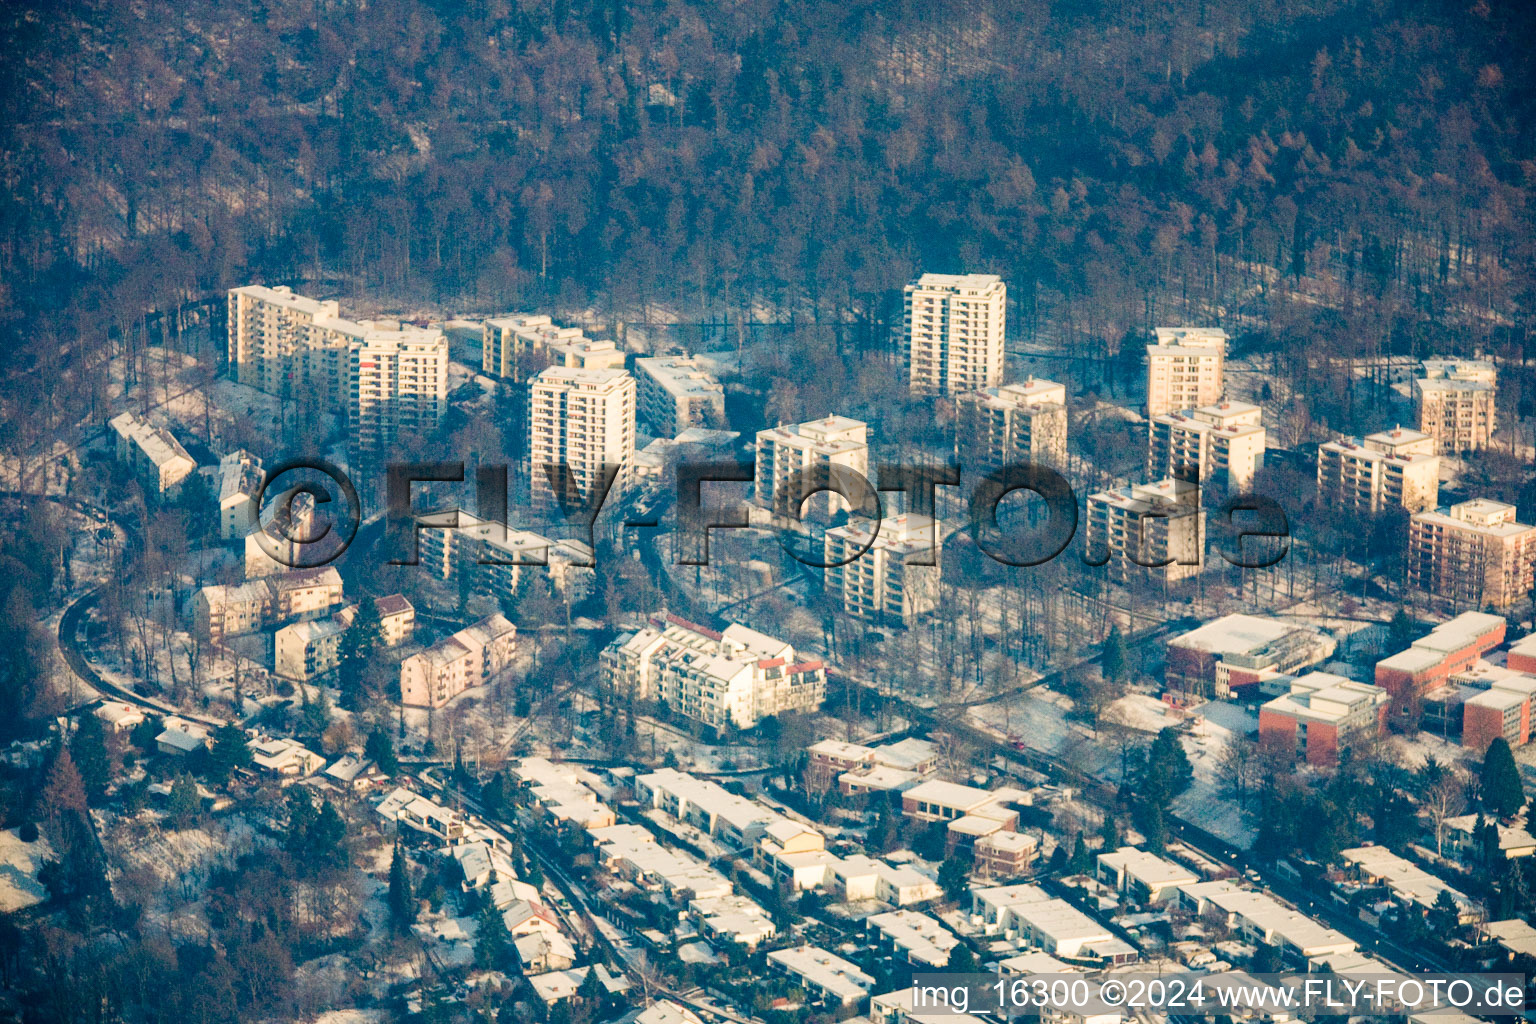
(795, 458)
(1185, 369)
(675, 393)
(240, 478)
(1012, 423)
(1456, 402)
(1141, 526)
(955, 325)
(583, 420)
(153, 453)
(517, 347)
(889, 581)
(397, 387)
(1200, 444)
(730, 678)
(1392, 468)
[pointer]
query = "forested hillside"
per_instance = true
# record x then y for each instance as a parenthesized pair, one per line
(1116, 162)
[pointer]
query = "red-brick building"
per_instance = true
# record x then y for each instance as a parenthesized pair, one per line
(1321, 716)
(1449, 648)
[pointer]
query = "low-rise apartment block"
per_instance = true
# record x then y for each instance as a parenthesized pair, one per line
(1409, 884)
(517, 347)
(565, 793)
(1145, 877)
(1321, 716)
(240, 478)
(1185, 369)
(706, 806)
(1220, 444)
(1025, 913)
(797, 459)
(1258, 917)
(154, 455)
(1010, 424)
(1449, 649)
(1005, 854)
(954, 325)
(1147, 531)
(723, 679)
(1395, 468)
(885, 571)
(913, 936)
(676, 393)
(305, 650)
(831, 758)
(231, 610)
(829, 979)
(1455, 401)
(1500, 705)
(1473, 553)
(581, 432)
(469, 658)
(971, 814)
(1237, 651)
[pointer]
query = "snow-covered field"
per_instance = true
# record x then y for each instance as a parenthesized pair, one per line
(20, 863)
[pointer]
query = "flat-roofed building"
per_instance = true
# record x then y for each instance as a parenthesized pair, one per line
(831, 979)
(1472, 553)
(1321, 716)
(1260, 918)
(1456, 402)
(290, 345)
(732, 678)
(1393, 469)
(1185, 369)
(676, 393)
(469, 658)
(913, 936)
(397, 387)
(707, 806)
(1028, 914)
(1410, 884)
(492, 555)
(152, 453)
(1236, 652)
(1448, 649)
(911, 757)
(517, 347)
(1005, 854)
(581, 429)
(1220, 444)
(1501, 707)
(1148, 531)
(796, 459)
(954, 326)
(1008, 424)
(884, 571)
(1145, 877)
(240, 478)
(564, 793)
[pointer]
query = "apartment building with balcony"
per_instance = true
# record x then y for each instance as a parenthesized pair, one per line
(397, 387)
(729, 678)
(1147, 531)
(582, 420)
(676, 393)
(290, 345)
(1221, 443)
(794, 459)
(154, 455)
(518, 347)
(1393, 468)
(954, 327)
(1321, 716)
(1472, 554)
(885, 571)
(1456, 403)
(1185, 369)
(469, 658)
(1012, 423)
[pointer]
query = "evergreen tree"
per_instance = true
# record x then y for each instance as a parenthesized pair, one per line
(492, 941)
(380, 749)
(327, 840)
(954, 877)
(1502, 790)
(1154, 826)
(961, 959)
(355, 652)
(1115, 663)
(1079, 863)
(402, 902)
(229, 752)
(1166, 771)
(1109, 833)
(591, 990)
(185, 803)
(1444, 917)
(88, 749)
